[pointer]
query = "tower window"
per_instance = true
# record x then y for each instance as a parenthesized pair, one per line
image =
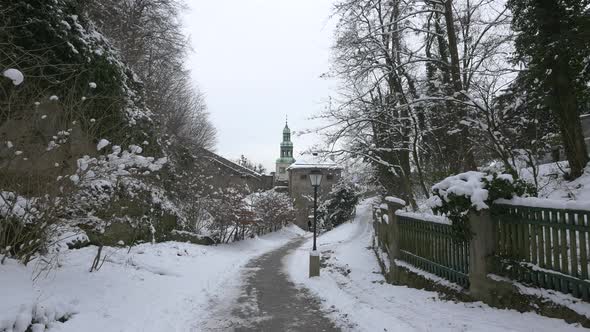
(282, 170)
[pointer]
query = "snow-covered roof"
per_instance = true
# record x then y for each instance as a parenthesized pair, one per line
(314, 161)
(230, 164)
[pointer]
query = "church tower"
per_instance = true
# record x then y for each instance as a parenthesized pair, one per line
(286, 158)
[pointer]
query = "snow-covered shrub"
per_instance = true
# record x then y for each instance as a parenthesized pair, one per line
(273, 209)
(121, 188)
(339, 205)
(460, 194)
(197, 219)
(20, 233)
(27, 222)
(225, 206)
(233, 215)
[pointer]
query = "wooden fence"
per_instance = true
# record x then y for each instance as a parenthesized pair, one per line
(430, 246)
(544, 247)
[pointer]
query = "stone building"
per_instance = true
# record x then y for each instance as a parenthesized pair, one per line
(292, 177)
(286, 158)
(301, 190)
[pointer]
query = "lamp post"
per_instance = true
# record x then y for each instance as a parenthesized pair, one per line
(315, 177)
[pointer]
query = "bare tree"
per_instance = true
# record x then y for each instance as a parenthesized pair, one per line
(419, 83)
(149, 35)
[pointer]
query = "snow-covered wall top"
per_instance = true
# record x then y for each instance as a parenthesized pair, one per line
(391, 199)
(424, 216)
(546, 203)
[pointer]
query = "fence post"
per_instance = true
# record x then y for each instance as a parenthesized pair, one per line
(377, 224)
(393, 231)
(383, 227)
(482, 247)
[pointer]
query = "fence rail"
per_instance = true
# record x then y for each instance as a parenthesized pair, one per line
(545, 247)
(430, 246)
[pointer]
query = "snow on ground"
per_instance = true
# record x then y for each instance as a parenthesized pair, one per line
(355, 292)
(552, 185)
(155, 287)
(566, 300)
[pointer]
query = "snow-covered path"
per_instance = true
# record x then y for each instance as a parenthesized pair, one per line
(360, 300)
(155, 287)
(268, 301)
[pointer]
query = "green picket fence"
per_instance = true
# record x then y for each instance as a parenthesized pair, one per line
(544, 247)
(431, 247)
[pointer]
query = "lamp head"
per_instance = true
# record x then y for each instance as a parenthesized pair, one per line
(315, 177)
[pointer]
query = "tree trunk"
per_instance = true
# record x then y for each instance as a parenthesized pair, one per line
(453, 48)
(563, 99)
(565, 107)
(466, 160)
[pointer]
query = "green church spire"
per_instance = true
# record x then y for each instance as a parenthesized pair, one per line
(286, 146)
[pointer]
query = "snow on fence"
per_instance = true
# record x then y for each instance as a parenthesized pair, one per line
(545, 247)
(430, 246)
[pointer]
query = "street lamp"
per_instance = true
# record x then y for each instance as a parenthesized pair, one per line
(315, 177)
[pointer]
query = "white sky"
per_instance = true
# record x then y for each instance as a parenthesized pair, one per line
(257, 61)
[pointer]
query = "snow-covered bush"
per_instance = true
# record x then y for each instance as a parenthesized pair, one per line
(118, 187)
(339, 205)
(197, 219)
(459, 194)
(225, 206)
(233, 215)
(20, 234)
(273, 210)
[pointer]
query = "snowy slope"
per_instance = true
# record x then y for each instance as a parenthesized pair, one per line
(553, 186)
(355, 292)
(162, 287)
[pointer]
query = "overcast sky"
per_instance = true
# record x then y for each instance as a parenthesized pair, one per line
(258, 61)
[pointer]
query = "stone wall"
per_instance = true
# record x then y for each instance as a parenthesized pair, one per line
(301, 191)
(33, 169)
